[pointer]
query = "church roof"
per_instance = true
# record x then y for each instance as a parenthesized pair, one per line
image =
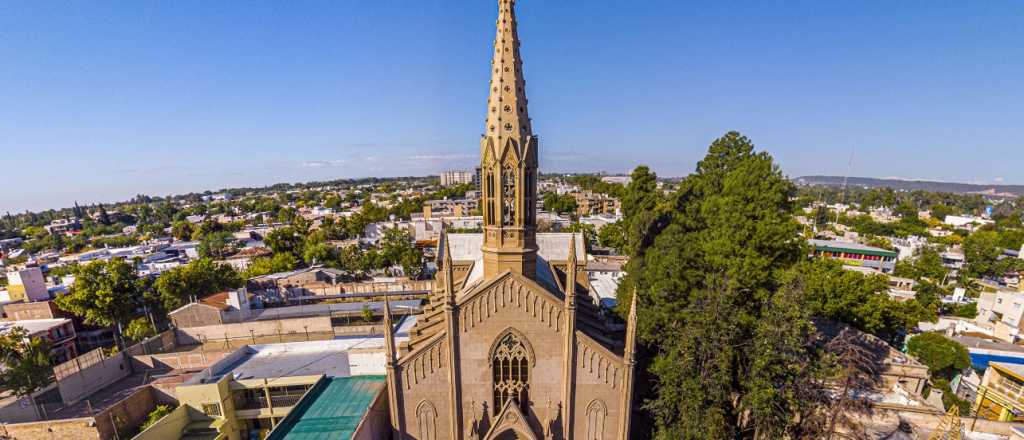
(551, 248)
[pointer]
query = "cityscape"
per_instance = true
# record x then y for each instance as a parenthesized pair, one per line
(497, 297)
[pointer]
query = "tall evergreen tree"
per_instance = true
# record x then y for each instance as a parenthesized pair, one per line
(725, 345)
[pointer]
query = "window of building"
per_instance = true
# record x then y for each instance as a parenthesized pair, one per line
(508, 194)
(212, 409)
(511, 368)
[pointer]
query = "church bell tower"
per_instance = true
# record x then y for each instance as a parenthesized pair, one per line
(508, 160)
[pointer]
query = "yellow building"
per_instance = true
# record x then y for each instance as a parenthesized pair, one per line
(249, 393)
(1001, 394)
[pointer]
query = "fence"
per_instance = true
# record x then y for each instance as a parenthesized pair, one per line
(78, 364)
(161, 343)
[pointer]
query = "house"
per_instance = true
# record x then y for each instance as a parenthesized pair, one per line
(856, 254)
(966, 221)
(243, 259)
(63, 226)
(1001, 394)
(1001, 311)
(27, 284)
(59, 333)
(213, 310)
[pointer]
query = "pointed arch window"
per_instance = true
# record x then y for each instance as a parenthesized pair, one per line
(426, 419)
(489, 197)
(508, 195)
(511, 367)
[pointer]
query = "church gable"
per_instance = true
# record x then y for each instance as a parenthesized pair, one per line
(509, 292)
(511, 424)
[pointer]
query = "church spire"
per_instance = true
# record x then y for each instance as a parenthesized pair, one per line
(391, 365)
(569, 363)
(508, 158)
(451, 313)
(629, 358)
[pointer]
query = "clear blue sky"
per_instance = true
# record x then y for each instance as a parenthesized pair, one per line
(103, 100)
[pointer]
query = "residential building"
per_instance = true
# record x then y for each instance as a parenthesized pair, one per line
(621, 180)
(588, 203)
(1001, 394)
(63, 226)
(1002, 311)
(450, 207)
(856, 254)
(966, 221)
(27, 284)
(59, 333)
(456, 177)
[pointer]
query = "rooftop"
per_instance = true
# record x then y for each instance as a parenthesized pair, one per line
(331, 410)
(32, 325)
(850, 246)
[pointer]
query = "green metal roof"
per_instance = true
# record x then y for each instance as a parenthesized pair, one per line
(853, 248)
(330, 410)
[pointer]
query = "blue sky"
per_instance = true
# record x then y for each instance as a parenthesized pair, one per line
(103, 100)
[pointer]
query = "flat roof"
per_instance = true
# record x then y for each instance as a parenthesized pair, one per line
(331, 410)
(32, 325)
(290, 360)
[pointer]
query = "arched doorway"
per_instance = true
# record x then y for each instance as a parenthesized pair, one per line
(511, 434)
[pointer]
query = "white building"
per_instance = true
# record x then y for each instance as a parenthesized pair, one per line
(1001, 311)
(27, 284)
(456, 177)
(965, 221)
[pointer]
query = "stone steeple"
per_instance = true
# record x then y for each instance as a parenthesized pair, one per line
(508, 159)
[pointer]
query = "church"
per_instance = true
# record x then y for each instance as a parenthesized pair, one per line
(511, 345)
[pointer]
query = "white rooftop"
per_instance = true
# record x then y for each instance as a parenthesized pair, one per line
(32, 325)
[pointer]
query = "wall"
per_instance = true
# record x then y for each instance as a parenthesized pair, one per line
(157, 344)
(77, 429)
(191, 360)
(169, 427)
(77, 383)
(376, 422)
(33, 310)
(128, 414)
(196, 315)
(197, 335)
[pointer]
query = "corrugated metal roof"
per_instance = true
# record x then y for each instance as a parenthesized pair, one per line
(330, 411)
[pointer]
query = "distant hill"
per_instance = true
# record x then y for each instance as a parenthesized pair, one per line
(914, 185)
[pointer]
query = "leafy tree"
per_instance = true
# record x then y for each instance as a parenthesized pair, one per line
(139, 329)
(319, 253)
(641, 219)
(943, 356)
(105, 293)
(709, 286)
(613, 236)
(982, 252)
(26, 362)
(182, 230)
(562, 204)
(397, 249)
(154, 416)
(266, 266)
(216, 245)
(284, 240)
(199, 278)
(104, 216)
(367, 314)
(926, 265)
(858, 300)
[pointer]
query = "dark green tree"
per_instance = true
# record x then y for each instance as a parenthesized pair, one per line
(198, 279)
(105, 293)
(709, 283)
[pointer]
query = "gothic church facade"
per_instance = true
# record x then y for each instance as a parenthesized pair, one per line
(511, 345)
